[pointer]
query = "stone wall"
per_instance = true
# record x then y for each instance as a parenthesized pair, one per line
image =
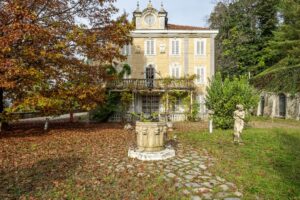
(279, 105)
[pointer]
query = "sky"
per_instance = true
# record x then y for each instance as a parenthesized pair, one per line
(181, 12)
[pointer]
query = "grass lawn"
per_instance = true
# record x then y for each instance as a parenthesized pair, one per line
(267, 166)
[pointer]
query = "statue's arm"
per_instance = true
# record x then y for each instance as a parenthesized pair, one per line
(244, 115)
(235, 115)
(240, 115)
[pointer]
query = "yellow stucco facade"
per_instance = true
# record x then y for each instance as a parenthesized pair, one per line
(174, 51)
(152, 24)
(162, 61)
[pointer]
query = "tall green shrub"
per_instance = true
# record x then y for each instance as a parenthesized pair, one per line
(223, 96)
(102, 112)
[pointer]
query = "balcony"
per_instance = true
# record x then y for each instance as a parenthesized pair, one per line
(151, 84)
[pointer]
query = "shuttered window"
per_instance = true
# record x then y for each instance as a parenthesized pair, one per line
(200, 46)
(175, 71)
(200, 75)
(175, 47)
(126, 50)
(150, 47)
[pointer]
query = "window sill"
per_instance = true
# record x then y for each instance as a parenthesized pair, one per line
(179, 55)
(201, 56)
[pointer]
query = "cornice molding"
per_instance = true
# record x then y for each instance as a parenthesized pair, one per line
(175, 32)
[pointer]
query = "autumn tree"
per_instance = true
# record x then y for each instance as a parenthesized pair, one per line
(43, 46)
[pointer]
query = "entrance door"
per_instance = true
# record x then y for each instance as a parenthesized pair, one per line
(282, 105)
(150, 104)
(150, 75)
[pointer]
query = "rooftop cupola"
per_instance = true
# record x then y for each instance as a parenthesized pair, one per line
(137, 10)
(162, 10)
(150, 4)
(150, 18)
(163, 17)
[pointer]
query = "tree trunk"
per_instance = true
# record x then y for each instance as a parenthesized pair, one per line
(1, 100)
(167, 108)
(46, 124)
(71, 116)
(191, 104)
(3, 125)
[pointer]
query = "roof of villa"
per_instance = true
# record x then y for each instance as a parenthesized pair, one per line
(183, 27)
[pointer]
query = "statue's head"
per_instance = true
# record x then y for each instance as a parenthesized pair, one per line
(240, 107)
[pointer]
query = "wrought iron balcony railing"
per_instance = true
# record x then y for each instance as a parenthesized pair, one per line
(151, 84)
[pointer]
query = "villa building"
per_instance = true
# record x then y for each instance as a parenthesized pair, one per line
(163, 58)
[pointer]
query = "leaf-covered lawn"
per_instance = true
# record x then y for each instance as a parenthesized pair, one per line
(80, 163)
(267, 166)
(73, 163)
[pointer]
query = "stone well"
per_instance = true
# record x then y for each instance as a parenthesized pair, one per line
(151, 142)
(150, 136)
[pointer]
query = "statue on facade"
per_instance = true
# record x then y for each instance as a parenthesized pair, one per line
(239, 117)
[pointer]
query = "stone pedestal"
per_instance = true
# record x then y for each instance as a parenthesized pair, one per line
(152, 156)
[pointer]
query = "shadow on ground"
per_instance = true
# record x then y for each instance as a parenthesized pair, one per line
(40, 177)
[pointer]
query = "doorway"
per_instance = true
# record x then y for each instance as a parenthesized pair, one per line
(282, 105)
(262, 105)
(150, 76)
(150, 104)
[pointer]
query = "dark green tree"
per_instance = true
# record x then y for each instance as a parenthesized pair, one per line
(245, 27)
(281, 61)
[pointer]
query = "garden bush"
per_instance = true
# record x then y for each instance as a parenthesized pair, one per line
(223, 96)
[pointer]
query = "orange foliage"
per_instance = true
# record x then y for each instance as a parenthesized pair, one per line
(41, 51)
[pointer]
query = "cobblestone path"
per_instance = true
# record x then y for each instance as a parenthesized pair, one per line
(189, 171)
